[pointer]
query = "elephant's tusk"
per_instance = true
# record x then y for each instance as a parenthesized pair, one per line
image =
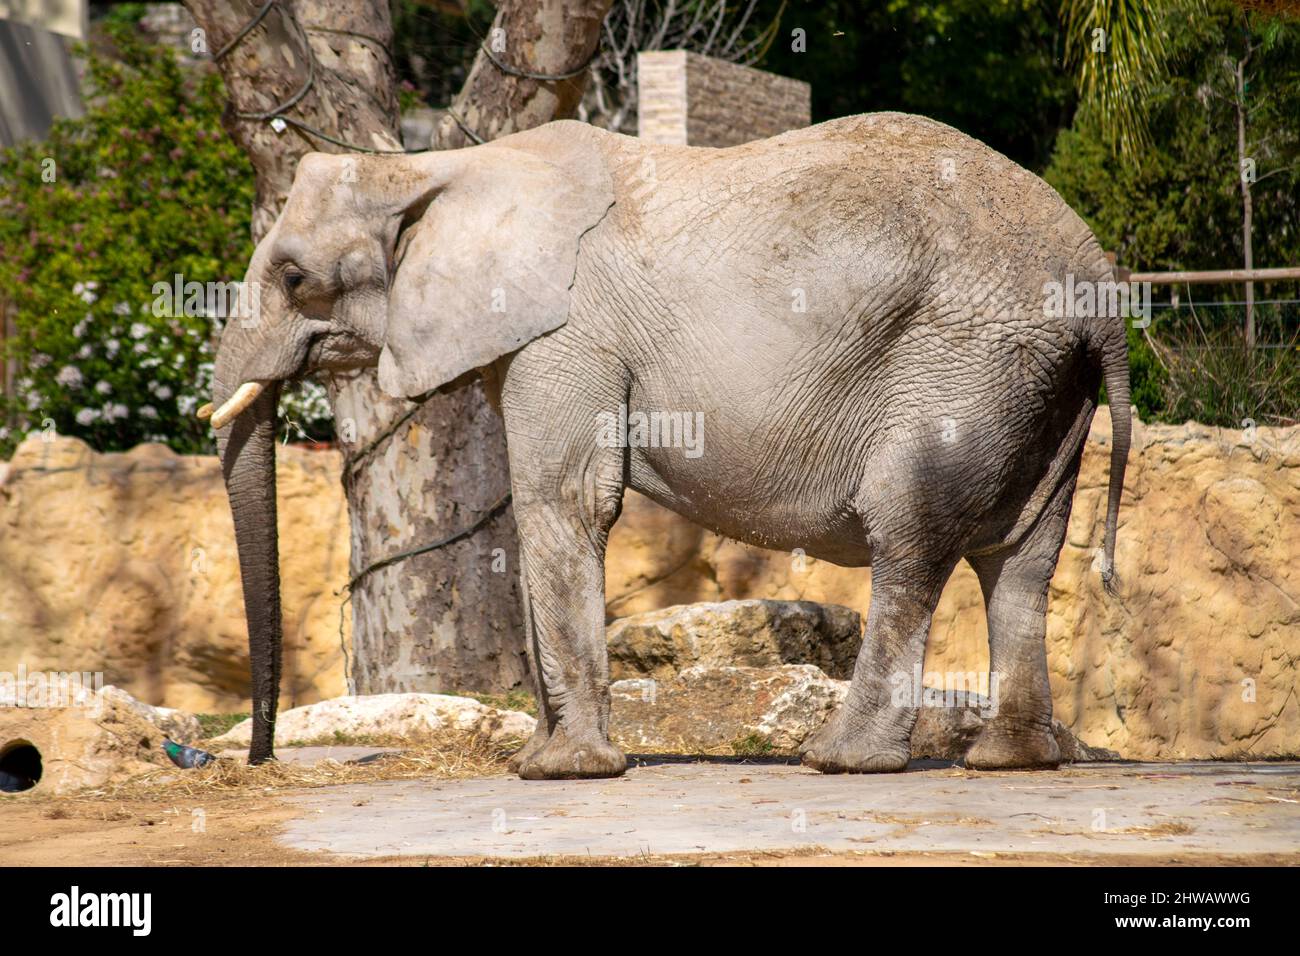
(244, 396)
(205, 411)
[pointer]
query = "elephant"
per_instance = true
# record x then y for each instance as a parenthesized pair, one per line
(855, 312)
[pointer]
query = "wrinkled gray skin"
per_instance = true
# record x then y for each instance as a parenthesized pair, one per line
(919, 409)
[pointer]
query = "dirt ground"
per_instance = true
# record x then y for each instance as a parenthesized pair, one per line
(241, 816)
(241, 831)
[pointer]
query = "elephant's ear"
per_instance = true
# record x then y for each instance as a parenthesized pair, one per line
(489, 265)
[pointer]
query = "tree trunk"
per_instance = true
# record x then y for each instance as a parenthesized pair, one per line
(449, 619)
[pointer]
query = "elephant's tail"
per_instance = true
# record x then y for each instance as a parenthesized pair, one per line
(1114, 366)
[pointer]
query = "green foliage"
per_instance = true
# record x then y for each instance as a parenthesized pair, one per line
(1213, 378)
(433, 49)
(1120, 50)
(752, 745)
(1146, 377)
(1180, 207)
(146, 185)
(991, 68)
(214, 725)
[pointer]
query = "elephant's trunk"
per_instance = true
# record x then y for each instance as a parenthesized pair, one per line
(247, 449)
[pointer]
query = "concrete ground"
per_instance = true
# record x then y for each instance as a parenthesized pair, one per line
(671, 806)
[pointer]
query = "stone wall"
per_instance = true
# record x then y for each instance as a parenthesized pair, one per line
(687, 99)
(125, 564)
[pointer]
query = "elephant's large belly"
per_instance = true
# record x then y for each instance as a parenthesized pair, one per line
(721, 492)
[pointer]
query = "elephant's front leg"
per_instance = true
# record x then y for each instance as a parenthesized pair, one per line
(563, 526)
(542, 733)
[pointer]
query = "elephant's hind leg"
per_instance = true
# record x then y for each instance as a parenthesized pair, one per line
(871, 732)
(1015, 583)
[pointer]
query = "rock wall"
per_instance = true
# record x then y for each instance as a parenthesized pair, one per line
(125, 564)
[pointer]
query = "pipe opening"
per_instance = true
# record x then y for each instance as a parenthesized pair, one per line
(20, 766)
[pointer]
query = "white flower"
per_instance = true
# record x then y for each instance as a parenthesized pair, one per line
(87, 416)
(104, 388)
(69, 377)
(85, 351)
(80, 328)
(148, 411)
(186, 404)
(122, 308)
(39, 360)
(112, 345)
(115, 411)
(139, 330)
(164, 392)
(140, 348)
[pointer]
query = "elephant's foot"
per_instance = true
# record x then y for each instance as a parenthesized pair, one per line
(562, 757)
(838, 747)
(1014, 745)
(535, 743)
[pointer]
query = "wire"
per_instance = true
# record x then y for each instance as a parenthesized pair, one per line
(483, 519)
(545, 78)
(257, 18)
(272, 115)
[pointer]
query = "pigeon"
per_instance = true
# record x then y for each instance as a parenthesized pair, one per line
(186, 757)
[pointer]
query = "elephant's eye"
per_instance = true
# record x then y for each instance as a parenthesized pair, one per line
(292, 279)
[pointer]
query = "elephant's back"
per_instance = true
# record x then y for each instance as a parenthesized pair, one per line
(893, 180)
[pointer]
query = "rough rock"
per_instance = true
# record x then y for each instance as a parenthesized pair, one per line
(100, 741)
(751, 710)
(408, 716)
(751, 633)
(713, 709)
(179, 725)
(1196, 658)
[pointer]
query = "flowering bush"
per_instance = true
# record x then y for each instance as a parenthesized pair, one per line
(144, 187)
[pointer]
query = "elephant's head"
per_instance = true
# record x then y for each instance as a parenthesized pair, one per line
(426, 265)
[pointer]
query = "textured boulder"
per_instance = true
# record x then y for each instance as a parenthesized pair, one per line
(411, 717)
(752, 633)
(179, 725)
(751, 709)
(710, 709)
(102, 740)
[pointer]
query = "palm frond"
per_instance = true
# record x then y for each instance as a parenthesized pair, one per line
(1120, 51)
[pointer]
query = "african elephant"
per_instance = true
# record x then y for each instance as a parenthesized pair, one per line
(854, 311)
